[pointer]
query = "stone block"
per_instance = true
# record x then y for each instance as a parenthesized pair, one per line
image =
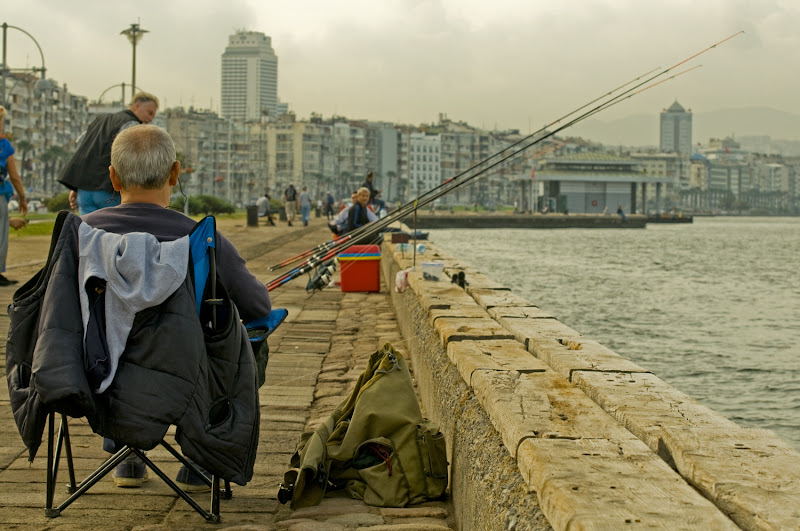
(612, 484)
(490, 298)
(530, 332)
(460, 329)
(751, 474)
(569, 356)
(518, 312)
(541, 404)
(471, 310)
(491, 355)
(647, 406)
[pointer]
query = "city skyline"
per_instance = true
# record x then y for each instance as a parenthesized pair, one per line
(501, 65)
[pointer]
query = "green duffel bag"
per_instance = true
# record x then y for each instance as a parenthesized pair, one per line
(376, 445)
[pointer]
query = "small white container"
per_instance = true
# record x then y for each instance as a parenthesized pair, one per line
(432, 271)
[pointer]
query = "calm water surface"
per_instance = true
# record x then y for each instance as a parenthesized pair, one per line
(713, 307)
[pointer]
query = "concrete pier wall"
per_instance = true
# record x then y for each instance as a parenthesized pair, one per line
(497, 220)
(546, 427)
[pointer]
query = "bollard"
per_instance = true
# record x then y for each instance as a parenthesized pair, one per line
(252, 216)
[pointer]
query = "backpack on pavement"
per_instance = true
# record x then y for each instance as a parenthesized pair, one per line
(376, 446)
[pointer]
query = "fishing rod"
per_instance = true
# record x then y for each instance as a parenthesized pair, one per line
(323, 264)
(319, 248)
(404, 210)
(457, 181)
(333, 243)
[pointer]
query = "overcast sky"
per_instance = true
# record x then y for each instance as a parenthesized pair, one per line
(502, 63)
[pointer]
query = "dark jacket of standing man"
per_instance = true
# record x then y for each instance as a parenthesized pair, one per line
(86, 173)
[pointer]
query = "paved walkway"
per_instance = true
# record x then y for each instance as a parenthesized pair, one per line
(315, 357)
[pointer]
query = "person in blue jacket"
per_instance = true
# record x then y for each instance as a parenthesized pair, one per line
(10, 182)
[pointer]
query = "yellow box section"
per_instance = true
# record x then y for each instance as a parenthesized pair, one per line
(354, 258)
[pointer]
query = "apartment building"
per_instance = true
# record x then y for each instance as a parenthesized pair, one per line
(44, 120)
(249, 77)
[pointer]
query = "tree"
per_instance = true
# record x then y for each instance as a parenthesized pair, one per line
(390, 175)
(23, 146)
(53, 160)
(402, 184)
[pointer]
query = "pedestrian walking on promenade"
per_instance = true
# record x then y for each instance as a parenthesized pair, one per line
(290, 203)
(305, 205)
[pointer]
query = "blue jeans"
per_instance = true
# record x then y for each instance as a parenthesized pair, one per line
(91, 200)
(380, 204)
(305, 212)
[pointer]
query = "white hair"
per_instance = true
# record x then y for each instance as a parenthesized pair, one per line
(142, 156)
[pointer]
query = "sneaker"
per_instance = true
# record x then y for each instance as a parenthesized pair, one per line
(130, 473)
(6, 282)
(191, 482)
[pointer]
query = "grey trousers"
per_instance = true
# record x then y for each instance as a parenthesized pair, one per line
(3, 232)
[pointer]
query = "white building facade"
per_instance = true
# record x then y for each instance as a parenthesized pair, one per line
(250, 77)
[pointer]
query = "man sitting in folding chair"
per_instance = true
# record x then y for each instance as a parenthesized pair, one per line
(124, 347)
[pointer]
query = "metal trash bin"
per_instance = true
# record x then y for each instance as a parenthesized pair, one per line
(252, 216)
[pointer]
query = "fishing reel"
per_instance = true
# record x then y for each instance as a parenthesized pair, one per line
(459, 279)
(322, 276)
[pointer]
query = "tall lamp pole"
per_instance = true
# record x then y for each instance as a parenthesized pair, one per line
(4, 65)
(134, 34)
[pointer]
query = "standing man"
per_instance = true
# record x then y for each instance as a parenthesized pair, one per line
(86, 173)
(305, 205)
(329, 201)
(290, 203)
(369, 184)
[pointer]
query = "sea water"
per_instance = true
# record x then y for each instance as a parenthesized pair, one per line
(712, 307)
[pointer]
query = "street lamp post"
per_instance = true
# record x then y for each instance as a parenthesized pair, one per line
(134, 34)
(4, 65)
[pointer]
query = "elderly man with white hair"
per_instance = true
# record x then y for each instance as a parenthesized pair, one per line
(355, 216)
(143, 170)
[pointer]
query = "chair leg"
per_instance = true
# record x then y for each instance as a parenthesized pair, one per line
(63, 438)
(214, 517)
(48, 508)
(96, 476)
(215, 495)
(54, 446)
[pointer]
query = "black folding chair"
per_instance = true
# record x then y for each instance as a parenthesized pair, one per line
(55, 444)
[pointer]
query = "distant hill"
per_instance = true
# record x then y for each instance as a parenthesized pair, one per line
(642, 129)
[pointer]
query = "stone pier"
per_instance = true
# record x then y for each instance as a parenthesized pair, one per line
(550, 428)
(546, 428)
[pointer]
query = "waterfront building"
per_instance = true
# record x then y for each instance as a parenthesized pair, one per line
(382, 156)
(672, 166)
(224, 158)
(590, 182)
(300, 153)
(44, 120)
(250, 77)
(424, 170)
(676, 130)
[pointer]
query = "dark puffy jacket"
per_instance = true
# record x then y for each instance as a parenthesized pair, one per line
(88, 167)
(173, 370)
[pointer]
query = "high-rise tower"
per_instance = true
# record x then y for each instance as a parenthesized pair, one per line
(249, 77)
(676, 130)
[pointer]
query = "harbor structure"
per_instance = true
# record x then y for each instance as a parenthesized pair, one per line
(594, 182)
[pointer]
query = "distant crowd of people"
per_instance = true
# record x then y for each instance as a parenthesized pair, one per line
(364, 206)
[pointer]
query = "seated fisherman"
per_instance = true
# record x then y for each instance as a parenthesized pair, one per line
(144, 170)
(356, 215)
